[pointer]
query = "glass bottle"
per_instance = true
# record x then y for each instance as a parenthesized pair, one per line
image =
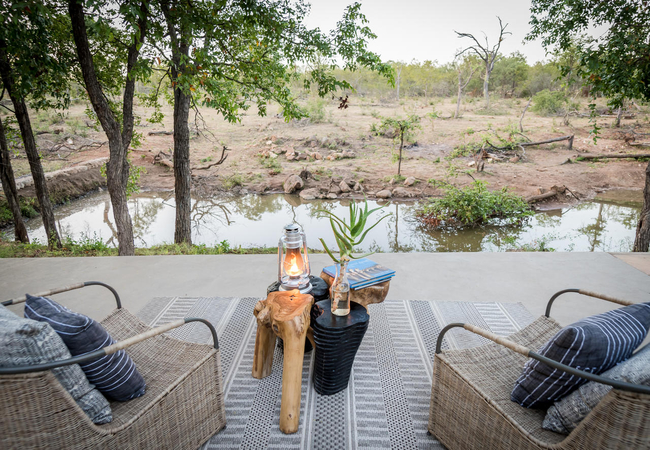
(340, 290)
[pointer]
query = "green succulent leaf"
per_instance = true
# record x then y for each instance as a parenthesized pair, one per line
(328, 250)
(348, 236)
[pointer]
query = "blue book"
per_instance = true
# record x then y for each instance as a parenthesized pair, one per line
(371, 283)
(363, 272)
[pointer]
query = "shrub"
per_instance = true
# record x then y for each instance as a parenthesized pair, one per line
(272, 164)
(233, 181)
(316, 109)
(548, 102)
(474, 205)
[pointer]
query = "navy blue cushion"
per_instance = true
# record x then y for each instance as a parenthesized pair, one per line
(114, 375)
(25, 342)
(565, 415)
(594, 344)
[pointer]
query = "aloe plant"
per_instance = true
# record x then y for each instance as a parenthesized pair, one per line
(349, 235)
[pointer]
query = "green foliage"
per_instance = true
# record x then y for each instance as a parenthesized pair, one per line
(464, 150)
(132, 184)
(396, 178)
(272, 164)
(28, 209)
(402, 128)
(548, 103)
(233, 181)
(616, 64)
(249, 53)
(351, 233)
(35, 38)
(94, 246)
(510, 74)
(316, 110)
(472, 206)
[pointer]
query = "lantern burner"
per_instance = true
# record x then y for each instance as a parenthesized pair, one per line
(293, 262)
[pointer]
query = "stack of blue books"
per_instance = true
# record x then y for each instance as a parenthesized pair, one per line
(363, 273)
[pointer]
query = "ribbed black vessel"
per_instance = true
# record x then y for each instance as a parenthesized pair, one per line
(337, 340)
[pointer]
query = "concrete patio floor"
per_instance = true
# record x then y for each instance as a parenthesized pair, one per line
(529, 278)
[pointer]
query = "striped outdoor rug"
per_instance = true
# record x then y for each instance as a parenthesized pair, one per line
(387, 402)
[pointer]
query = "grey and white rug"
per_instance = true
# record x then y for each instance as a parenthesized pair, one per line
(386, 404)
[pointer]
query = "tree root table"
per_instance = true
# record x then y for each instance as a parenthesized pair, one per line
(336, 339)
(284, 314)
(365, 296)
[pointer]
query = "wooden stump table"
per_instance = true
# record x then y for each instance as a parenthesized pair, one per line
(284, 314)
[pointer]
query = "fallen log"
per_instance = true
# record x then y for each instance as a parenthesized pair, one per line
(639, 144)
(548, 141)
(163, 159)
(617, 156)
(544, 195)
(160, 133)
(536, 198)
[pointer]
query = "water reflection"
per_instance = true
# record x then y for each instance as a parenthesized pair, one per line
(255, 220)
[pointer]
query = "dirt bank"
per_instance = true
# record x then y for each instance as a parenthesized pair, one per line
(262, 152)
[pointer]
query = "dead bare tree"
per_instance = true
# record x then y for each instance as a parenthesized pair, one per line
(521, 119)
(488, 55)
(398, 66)
(460, 68)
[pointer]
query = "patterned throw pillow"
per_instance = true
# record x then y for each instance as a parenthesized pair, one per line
(594, 345)
(565, 415)
(114, 375)
(25, 342)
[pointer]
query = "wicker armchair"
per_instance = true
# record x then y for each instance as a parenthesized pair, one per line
(182, 408)
(471, 406)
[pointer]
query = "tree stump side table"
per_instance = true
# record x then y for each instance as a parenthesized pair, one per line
(286, 315)
(365, 296)
(337, 339)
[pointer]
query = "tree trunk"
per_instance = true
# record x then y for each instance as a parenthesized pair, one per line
(117, 169)
(521, 119)
(460, 94)
(182, 173)
(398, 80)
(179, 38)
(642, 239)
(486, 83)
(401, 144)
(22, 116)
(617, 123)
(9, 188)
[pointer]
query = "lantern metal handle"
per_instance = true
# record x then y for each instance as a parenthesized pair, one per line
(280, 249)
(305, 258)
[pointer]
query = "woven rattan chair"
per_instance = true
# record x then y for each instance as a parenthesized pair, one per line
(182, 407)
(471, 406)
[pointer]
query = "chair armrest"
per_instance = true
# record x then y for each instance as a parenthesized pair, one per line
(71, 287)
(588, 293)
(109, 350)
(623, 386)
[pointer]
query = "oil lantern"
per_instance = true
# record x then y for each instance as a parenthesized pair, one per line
(293, 262)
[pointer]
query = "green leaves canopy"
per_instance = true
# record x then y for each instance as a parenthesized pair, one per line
(618, 63)
(33, 43)
(249, 52)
